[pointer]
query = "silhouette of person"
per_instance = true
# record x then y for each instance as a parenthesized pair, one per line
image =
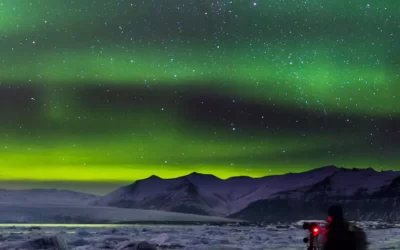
(341, 235)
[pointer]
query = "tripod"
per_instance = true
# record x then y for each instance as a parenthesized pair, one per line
(312, 241)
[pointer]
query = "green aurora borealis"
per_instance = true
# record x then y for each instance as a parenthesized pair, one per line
(97, 91)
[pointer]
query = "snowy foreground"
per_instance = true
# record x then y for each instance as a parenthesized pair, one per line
(181, 237)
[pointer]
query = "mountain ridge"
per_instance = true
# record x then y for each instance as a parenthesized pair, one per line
(195, 173)
(222, 197)
(365, 194)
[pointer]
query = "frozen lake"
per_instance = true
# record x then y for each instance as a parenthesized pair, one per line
(90, 237)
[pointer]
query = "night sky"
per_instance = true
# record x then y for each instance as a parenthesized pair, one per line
(96, 93)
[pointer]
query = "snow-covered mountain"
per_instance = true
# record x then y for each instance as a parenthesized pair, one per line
(207, 194)
(365, 194)
(343, 183)
(45, 196)
(175, 195)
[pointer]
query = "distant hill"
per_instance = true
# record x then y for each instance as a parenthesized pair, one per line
(44, 196)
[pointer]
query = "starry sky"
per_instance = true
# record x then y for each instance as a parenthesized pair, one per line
(98, 93)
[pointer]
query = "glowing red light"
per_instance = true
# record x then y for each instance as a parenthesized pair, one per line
(316, 230)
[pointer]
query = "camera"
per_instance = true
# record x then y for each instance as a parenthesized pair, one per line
(311, 226)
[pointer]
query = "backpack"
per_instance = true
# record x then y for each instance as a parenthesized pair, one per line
(359, 237)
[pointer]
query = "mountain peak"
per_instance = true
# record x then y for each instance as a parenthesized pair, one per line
(197, 175)
(154, 177)
(186, 185)
(330, 168)
(370, 169)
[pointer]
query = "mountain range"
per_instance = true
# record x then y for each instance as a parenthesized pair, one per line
(366, 194)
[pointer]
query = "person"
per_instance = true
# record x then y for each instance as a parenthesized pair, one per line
(342, 235)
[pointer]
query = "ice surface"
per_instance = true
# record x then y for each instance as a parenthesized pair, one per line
(185, 237)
